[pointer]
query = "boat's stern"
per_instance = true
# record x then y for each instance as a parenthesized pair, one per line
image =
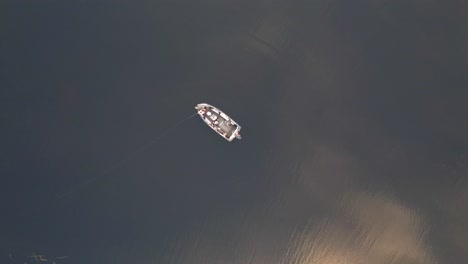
(236, 133)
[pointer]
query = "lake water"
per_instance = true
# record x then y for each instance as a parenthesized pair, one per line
(354, 135)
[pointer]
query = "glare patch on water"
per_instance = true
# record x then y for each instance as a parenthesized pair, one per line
(373, 228)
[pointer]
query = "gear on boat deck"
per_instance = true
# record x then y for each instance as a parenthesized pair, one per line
(218, 121)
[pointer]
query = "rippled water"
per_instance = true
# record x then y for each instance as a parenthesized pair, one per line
(354, 149)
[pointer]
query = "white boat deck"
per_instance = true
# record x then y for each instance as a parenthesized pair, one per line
(219, 121)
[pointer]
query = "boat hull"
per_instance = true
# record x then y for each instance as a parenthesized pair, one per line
(221, 123)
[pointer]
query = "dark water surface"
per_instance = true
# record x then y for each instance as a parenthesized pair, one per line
(355, 132)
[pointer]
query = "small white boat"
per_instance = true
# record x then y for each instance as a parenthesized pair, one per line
(219, 121)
